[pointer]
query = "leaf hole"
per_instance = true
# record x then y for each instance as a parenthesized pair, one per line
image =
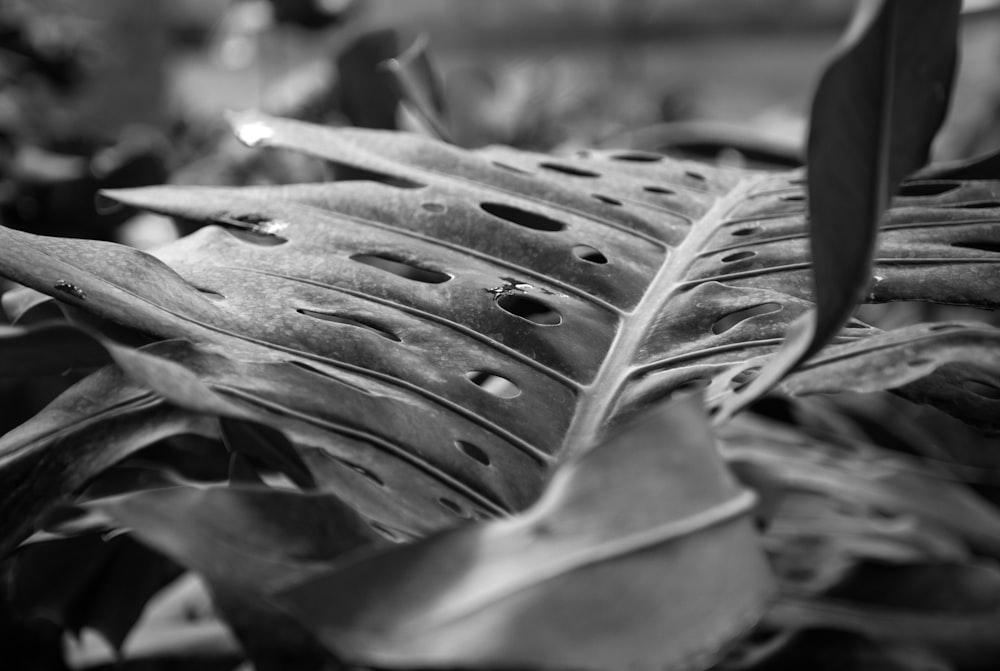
(918, 189)
(734, 318)
(474, 452)
(494, 384)
(510, 168)
(516, 215)
(983, 389)
(607, 200)
(637, 156)
(364, 324)
(211, 295)
(402, 268)
(740, 232)
(983, 246)
(697, 176)
(981, 205)
(569, 170)
(453, 507)
(434, 208)
(256, 237)
(937, 328)
(589, 254)
(659, 190)
(738, 256)
(384, 531)
(744, 377)
(529, 308)
(795, 198)
(364, 472)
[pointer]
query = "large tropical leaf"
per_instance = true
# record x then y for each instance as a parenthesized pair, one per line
(443, 337)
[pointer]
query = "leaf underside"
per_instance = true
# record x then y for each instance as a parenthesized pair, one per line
(435, 342)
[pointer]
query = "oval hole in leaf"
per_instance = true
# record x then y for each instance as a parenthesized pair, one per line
(371, 327)
(510, 168)
(589, 254)
(744, 377)
(368, 475)
(740, 232)
(695, 175)
(984, 246)
(981, 205)
(401, 268)
(212, 295)
(734, 318)
(433, 208)
(796, 198)
(937, 328)
(738, 256)
(569, 170)
(658, 190)
(256, 237)
(516, 215)
(984, 389)
(608, 200)
(474, 452)
(638, 156)
(918, 189)
(494, 384)
(384, 530)
(453, 507)
(529, 308)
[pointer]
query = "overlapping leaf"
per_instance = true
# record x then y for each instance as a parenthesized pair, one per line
(639, 553)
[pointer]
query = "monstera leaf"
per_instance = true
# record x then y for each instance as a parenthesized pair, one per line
(444, 336)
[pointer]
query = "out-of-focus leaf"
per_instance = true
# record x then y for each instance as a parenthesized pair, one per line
(368, 94)
(952, 611)
(419, 87)
(88, 582)
(855, 474)
(876, 111)
(26, 306)
(242, 540)
(640, 555)
(707, 139)
(825, 650)
(985, 166)
(246, 536)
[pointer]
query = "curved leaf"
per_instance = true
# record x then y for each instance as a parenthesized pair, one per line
(639, 554)
(373, 322)
(876, 111)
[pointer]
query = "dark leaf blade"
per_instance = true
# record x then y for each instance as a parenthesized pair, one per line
(876, 111)
(242, 539)
(589, 578)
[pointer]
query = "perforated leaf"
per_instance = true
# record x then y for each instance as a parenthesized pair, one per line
(434, 344)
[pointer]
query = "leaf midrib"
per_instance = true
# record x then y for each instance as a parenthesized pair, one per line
(599, 397)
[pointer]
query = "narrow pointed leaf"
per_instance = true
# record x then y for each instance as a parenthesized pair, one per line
(639, 554)
(876, 111)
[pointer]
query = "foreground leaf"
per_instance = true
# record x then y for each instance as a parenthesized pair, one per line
(640, 554)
